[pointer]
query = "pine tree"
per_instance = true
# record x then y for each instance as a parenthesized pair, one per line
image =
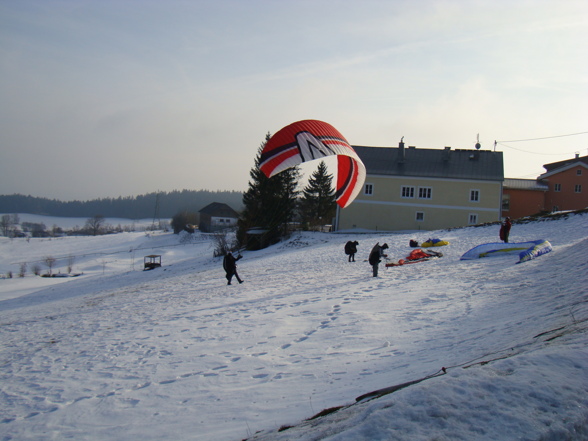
(318, 204)
(270, 204)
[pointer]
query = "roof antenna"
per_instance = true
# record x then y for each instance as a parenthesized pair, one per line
(478, 145)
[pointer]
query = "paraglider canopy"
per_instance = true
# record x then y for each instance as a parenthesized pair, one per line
(308, 140)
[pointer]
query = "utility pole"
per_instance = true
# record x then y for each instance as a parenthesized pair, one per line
(156, 213)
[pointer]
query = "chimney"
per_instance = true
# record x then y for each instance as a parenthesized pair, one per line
(577, 155)
(401, 153)
(446, 153)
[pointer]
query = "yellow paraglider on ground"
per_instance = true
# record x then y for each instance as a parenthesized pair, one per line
(434, 243)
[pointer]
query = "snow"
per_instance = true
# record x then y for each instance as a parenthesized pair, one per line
(174, 353)
(68, 223)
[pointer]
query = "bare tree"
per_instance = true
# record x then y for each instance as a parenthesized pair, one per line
(56, 231)
(95, 224)
(23, 269)
(6, 224)
(70, 262)
(222, 245)
(50, 261)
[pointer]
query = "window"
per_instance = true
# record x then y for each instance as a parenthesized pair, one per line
(578, 188)
(473, 220)
(474, 195)
(420, 216)
(579, 172)
(408, 192)
(506, 202)
(557, 187)
(369, 189)
(425, 192)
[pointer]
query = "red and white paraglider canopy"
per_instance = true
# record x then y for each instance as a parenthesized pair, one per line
(308, 140)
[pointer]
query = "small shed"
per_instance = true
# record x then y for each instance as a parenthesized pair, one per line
(152, 261)
(217, 216)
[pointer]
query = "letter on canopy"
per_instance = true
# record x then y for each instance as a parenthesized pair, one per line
(308, 140)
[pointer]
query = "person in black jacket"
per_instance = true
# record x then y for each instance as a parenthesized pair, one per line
(376, 255)
(230, 267)
(351, 249)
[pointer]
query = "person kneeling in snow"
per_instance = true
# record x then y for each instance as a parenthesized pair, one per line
(230, 266)
(376, 255)
(351, 249)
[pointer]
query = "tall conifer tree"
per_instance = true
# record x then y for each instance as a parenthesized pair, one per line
(318, 204)
(270, 204)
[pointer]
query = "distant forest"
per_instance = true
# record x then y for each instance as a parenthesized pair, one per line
(161, 204)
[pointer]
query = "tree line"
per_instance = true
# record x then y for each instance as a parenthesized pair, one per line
(157, 204)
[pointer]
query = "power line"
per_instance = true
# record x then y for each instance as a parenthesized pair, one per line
(535, 153)
(546, 137)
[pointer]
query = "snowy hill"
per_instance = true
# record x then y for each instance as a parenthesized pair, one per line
(175, 353)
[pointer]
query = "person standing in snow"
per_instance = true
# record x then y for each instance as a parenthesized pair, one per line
(505, 230)
(351, 249)
(230, 267)
(376, 256)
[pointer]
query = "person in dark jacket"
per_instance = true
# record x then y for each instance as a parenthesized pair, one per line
(351, 249)
(505, 230)
(376, 256)
(230, 267)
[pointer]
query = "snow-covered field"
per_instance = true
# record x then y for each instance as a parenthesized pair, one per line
(68, 223)
(175, 354)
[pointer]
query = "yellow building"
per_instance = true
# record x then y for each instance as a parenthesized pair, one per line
(425, 189)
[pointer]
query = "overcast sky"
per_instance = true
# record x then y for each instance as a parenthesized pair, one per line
(108, 98)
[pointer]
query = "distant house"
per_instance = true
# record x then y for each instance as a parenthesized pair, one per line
(563, 186)
(425, 189)
(217, 216)
(523, 197)
(568, 184)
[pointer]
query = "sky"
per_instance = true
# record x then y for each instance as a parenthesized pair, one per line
(121, 98)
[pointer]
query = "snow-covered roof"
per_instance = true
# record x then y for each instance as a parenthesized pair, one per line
(524, 184)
